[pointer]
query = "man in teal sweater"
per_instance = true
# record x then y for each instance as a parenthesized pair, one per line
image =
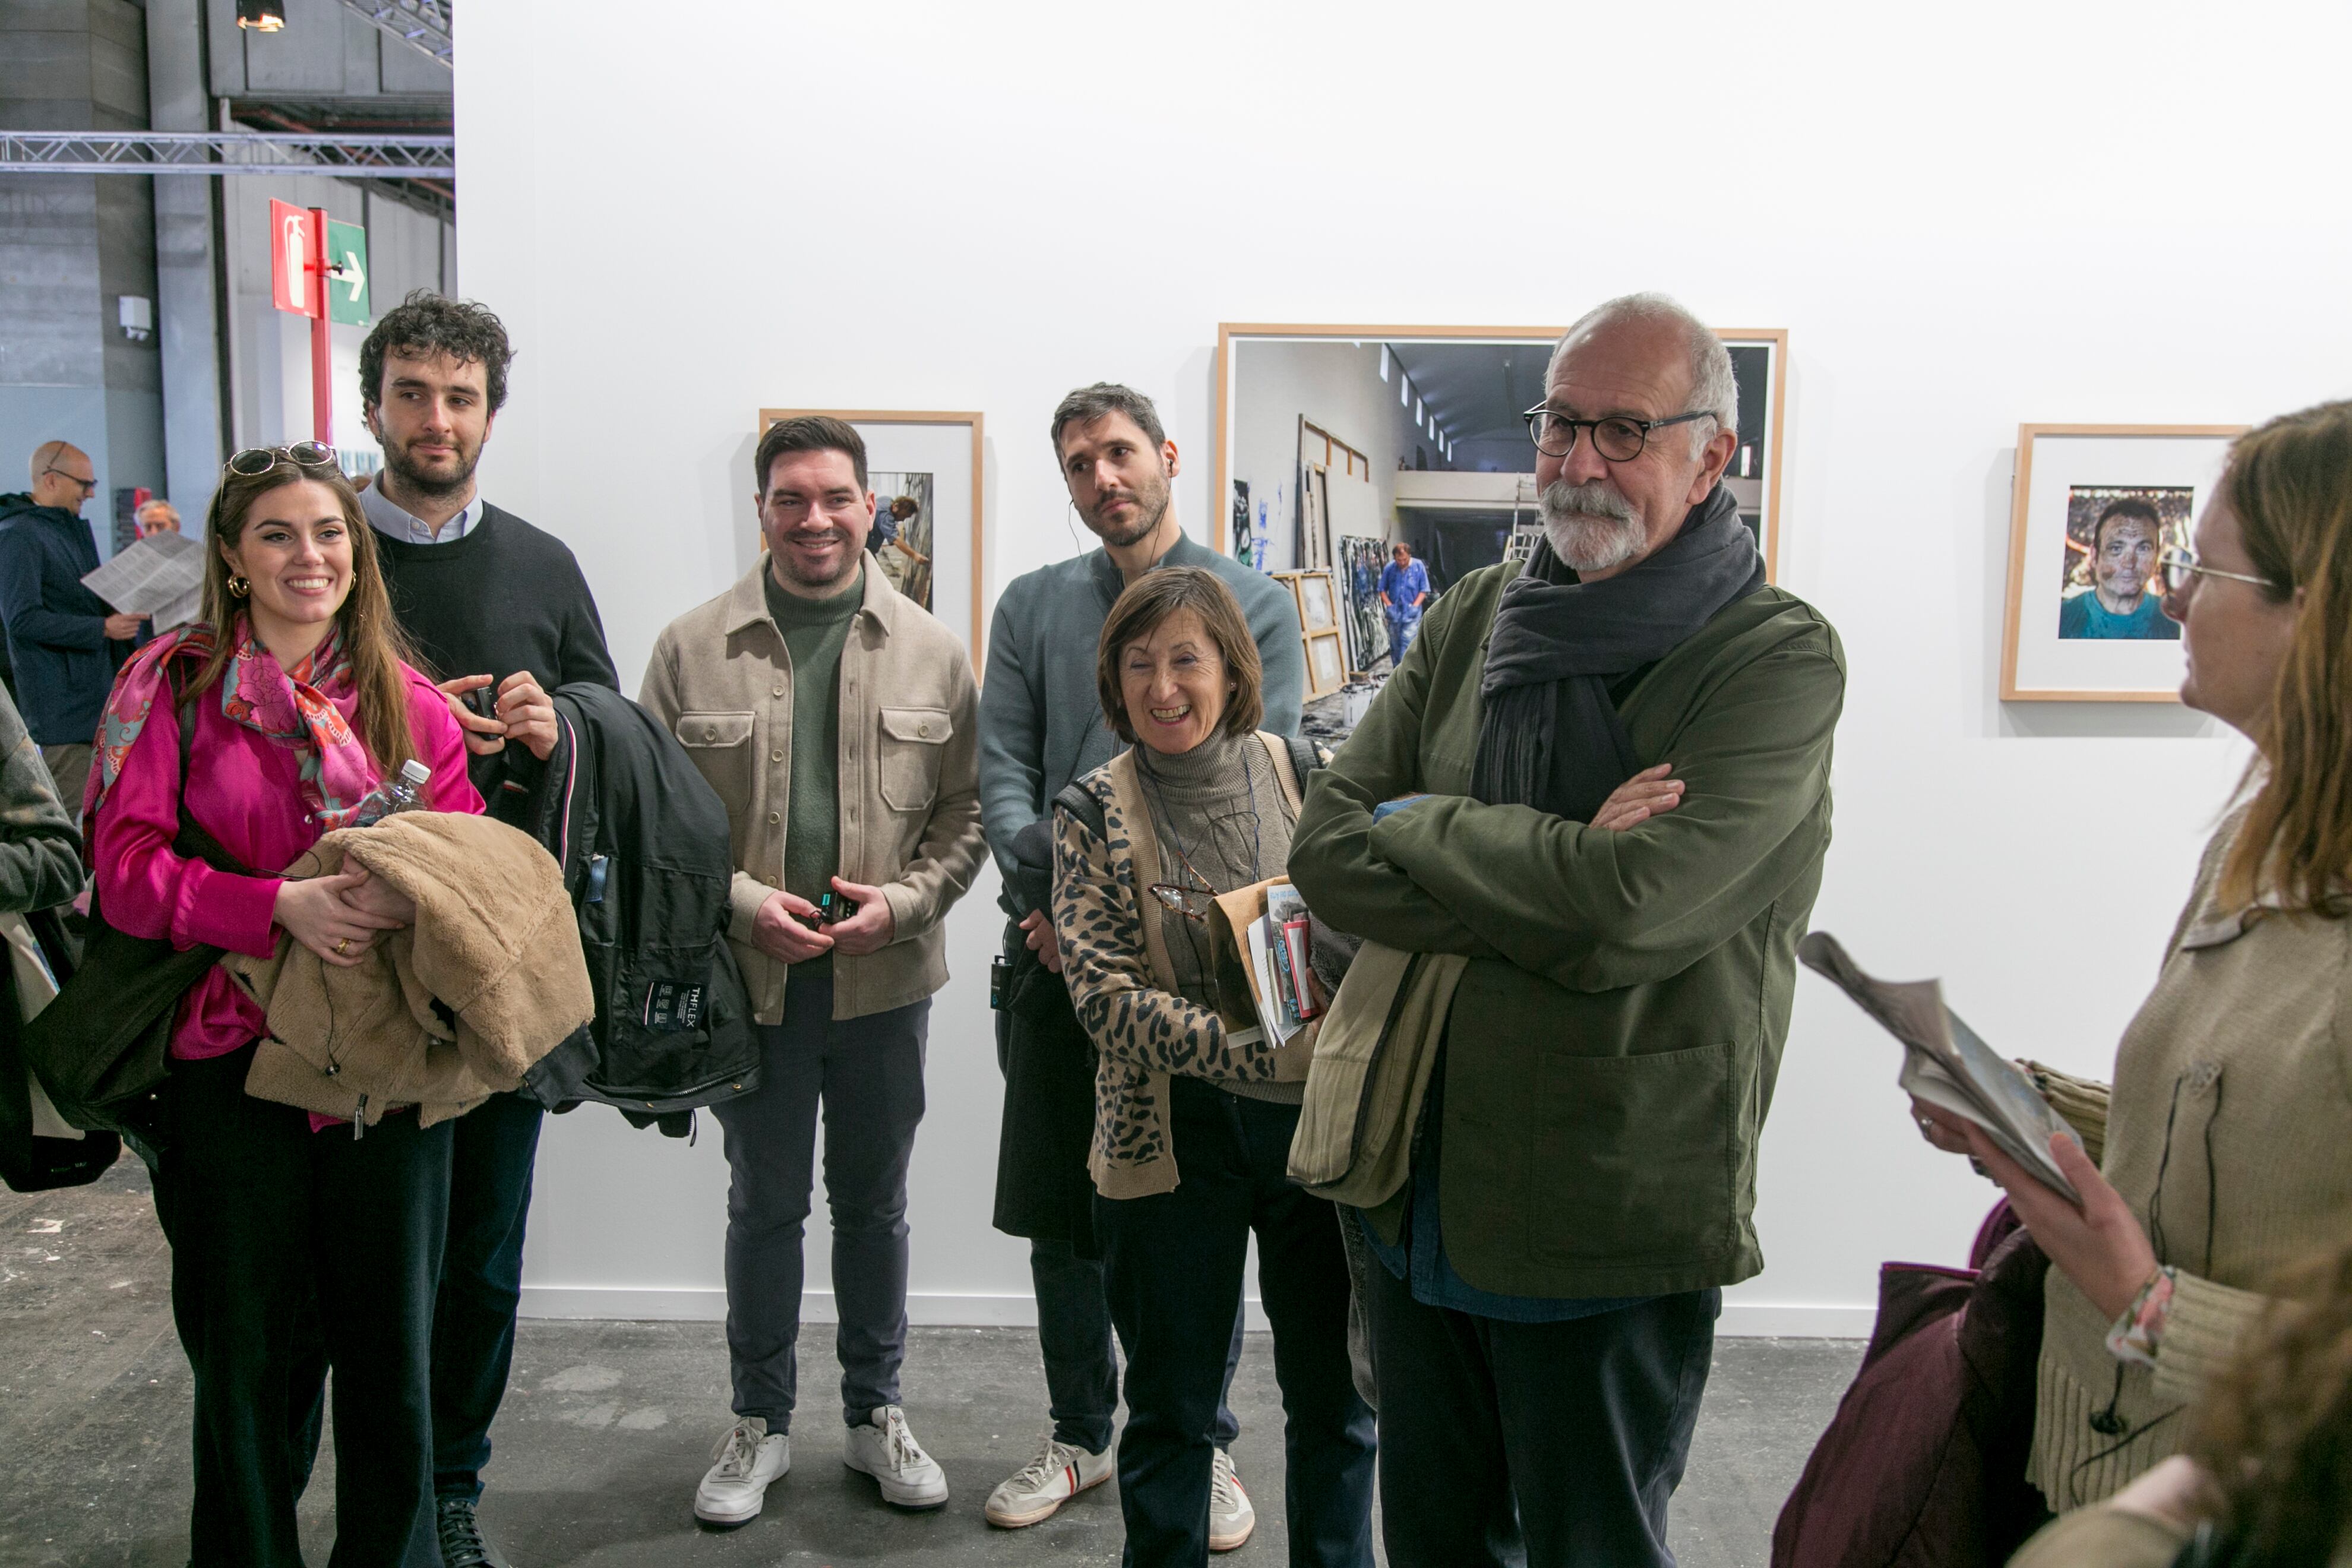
(1041, 727)
(1614, 770)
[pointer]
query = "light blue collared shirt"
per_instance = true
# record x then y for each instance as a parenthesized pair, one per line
(395, 521)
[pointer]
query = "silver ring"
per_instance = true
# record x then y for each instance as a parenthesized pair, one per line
(1927, 1123)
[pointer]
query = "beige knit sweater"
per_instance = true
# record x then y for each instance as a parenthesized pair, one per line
(2230, 1133)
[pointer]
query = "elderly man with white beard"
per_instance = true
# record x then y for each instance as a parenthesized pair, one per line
(1603, 783)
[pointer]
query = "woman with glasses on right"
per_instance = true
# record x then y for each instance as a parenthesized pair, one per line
(2228, 1136)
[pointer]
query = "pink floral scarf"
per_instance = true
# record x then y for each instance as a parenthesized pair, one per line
(297, 708)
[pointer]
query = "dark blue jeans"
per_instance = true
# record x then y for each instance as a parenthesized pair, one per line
(493, 1149)
(867, 1075)
(1533, 1444)
(1173, 1266)
(1081, 1368)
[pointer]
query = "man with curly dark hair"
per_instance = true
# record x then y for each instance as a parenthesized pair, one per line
(491, 603)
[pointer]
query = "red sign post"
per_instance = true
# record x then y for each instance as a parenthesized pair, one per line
(298, 285)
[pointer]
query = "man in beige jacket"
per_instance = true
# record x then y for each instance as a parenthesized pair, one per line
(838, 721)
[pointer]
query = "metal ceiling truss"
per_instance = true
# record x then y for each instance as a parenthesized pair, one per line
(346, 155)
(422, 25)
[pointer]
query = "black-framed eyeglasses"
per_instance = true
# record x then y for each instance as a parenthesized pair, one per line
(1617, 438)
(88, 487)
(2180, 567)
(255, 462)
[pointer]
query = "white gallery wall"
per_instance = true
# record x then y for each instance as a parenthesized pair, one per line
(1965, 219)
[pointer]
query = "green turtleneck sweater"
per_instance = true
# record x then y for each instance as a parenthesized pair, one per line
(814, 631)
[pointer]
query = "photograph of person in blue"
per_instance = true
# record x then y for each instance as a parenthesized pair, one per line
(1404, 590)
(2121, 600)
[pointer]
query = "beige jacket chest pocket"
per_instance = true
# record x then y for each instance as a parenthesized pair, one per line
(721, 745)
(913, 741)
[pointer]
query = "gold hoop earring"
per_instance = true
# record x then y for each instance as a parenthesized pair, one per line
(238, 587)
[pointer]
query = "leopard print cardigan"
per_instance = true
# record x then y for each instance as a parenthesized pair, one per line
(1118, 979)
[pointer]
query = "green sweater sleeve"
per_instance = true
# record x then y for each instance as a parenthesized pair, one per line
(1591, 909)
(1348, 881)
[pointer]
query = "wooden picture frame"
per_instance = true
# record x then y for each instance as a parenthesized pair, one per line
(1314, 596)
(873, 425)
(1327, 662)
(1768, 442)
(2063, 640)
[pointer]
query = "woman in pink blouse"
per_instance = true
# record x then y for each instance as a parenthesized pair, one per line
(296, 1243)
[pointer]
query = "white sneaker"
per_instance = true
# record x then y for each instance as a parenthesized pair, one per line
(1231, 1518)
(1038, 1490)
(749, 1457)
(885, 1449)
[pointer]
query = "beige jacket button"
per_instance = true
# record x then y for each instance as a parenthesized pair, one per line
(774, 817)
(775, 756)
(779, 691)
(711, 733)
(922, 731)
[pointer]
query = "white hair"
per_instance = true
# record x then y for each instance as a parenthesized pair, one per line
(1713, 388)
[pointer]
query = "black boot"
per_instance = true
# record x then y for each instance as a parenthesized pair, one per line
(462, 1545)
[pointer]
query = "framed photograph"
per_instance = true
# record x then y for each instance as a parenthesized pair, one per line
(1332, 434)
(2092, 507)
(1327, 664)
(929, 537)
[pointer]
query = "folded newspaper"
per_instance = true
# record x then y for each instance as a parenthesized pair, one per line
(1946, 1064)
(157, 578)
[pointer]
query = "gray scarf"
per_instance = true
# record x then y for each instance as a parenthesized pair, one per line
(1550, 736)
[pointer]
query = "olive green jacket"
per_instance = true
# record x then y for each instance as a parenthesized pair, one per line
(1616, 1033)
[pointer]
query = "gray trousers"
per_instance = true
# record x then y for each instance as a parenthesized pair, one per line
(69, 769)
(867, 1075)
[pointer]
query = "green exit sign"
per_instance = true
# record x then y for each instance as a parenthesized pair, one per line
(347, 283)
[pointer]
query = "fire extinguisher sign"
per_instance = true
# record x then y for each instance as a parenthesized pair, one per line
(294, 281)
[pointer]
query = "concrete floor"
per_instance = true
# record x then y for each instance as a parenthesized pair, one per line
(607, 1426)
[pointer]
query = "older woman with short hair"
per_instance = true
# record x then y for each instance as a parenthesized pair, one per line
(1194, 1109)
(2229, 1132)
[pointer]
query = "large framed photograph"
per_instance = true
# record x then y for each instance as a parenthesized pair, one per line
(1328, 437)
(2093, 508)
(929, 536)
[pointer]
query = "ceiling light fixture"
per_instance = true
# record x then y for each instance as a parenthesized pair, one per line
(261, 15)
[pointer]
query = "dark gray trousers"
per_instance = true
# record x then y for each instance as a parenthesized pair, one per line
(866, 1077)
(1533, 1444)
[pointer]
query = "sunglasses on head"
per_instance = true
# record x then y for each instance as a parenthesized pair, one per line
(255, 462)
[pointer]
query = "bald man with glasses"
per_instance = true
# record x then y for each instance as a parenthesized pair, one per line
(64, 642)
(1596, 790)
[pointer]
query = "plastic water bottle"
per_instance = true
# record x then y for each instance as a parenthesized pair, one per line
(405, 793)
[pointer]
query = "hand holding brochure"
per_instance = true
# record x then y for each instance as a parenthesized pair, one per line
(1946, 1064)
(1258, 939)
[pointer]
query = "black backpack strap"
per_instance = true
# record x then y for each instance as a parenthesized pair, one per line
(1075, 800)
(1304, 758)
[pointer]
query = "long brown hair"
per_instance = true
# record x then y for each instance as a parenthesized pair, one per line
(2290, 483)
(371, 636)
(2275, 1428)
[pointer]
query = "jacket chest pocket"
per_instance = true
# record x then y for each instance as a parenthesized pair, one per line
(720, 746)
(913, 740)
